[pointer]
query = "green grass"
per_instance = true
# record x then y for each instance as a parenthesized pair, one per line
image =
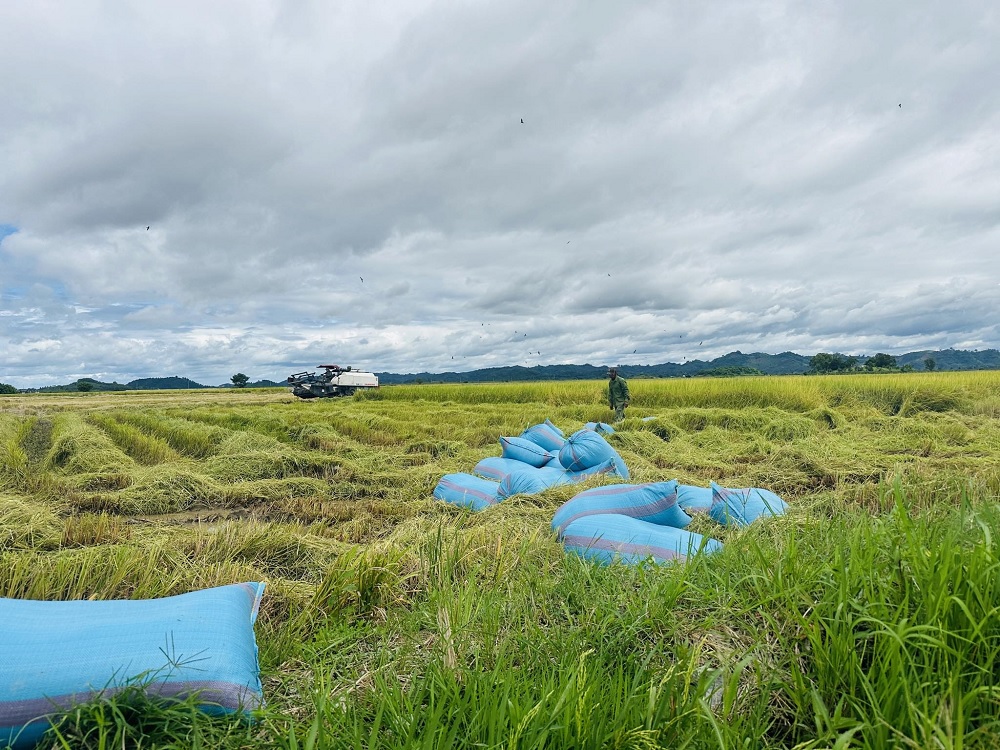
(869, 616)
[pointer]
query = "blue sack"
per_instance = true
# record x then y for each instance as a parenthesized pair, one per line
(556, 430)
(522, 449)
(55, 654)
(600, 427)
(529, 482)
(585, 449)
(694, 499)
(742, 507)
(497, 467)
(606, 467)
(544, 436)
(612, 538)
(466, 490)
(654, 503)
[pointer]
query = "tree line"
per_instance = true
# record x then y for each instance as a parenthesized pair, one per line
(824, 364)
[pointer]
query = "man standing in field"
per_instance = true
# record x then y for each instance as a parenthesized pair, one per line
(618, 396)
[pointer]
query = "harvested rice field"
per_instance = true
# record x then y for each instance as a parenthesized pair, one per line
(867, 616)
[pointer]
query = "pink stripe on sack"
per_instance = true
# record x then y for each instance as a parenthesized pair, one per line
(448, 484)
(623, 547)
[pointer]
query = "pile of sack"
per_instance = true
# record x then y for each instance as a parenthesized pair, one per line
(541, 457)
(624, 522)
(631, 523)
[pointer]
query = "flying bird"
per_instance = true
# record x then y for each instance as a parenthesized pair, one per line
(362, 279)
(522, 121)
(900, 105)
(634, 351)
(699, 343)
(147, 229)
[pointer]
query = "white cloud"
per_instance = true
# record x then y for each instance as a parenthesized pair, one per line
(743, 171)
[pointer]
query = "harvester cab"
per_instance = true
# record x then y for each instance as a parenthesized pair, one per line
(332, 382)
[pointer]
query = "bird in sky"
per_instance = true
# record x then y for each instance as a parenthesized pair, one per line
(522, 121)
(634, 351)
(362, 279)
(567, 242)
(900, 106)
(147, 229)
(699, 343)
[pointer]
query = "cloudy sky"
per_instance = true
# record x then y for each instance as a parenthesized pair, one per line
(352, 182)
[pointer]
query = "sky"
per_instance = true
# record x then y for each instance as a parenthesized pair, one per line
(200, 189)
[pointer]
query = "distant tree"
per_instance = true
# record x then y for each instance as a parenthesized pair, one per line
(823, 363)
(240, 380)
(732, 371)
(930, 364)
(5, 389)
(84, 385)
(881, 362)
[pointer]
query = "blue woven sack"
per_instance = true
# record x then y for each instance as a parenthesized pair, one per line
(466, 490)
(606, 467)
(497, 467)
(615, 538)
(522, 449)
(529, 482)
(694, 499)
(544, 436)
(655, 503)
(55, 654)
(741, 507)
(585, 449)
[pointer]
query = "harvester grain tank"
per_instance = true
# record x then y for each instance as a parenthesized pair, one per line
(332, 382)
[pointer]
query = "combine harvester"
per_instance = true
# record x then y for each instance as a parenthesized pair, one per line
(335, 381)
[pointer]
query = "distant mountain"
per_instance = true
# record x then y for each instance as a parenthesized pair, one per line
(786, 363)
(142, 384)
(88, 384)
(163, 384)
(953, 359)
(257, 384)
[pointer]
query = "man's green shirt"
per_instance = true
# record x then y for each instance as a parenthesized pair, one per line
(617, 391)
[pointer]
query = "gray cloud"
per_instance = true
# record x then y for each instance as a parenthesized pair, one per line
(744, 172)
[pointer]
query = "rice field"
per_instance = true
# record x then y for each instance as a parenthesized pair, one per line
(869, 616)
